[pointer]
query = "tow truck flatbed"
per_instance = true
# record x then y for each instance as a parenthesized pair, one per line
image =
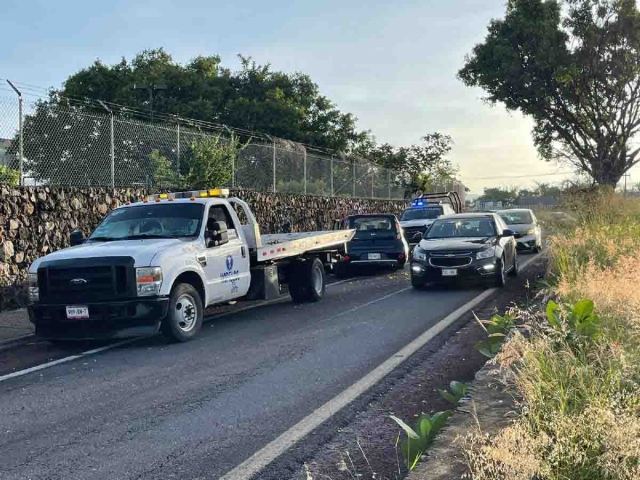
(283, 245)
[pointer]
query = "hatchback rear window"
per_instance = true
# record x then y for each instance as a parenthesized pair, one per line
(362, 224)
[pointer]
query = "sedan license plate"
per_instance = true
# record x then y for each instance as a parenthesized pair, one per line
(374, 256)
(77, 312)
(450, 272)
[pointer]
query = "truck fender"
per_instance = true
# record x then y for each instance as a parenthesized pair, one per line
(186, 275)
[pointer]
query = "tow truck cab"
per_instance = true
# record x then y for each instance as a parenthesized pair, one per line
(156, 265)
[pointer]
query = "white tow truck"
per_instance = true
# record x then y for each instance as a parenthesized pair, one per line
(155, 265)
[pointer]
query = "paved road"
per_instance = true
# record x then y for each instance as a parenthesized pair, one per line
(149, 410)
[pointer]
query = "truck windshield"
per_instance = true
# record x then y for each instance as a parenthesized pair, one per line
(421, 213)
(151, 221)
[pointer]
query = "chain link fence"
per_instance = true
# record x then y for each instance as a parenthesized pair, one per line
(68, 145)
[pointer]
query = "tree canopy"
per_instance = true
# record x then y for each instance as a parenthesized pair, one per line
(574, 67)
(253, 98)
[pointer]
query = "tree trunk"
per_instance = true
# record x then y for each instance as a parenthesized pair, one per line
(608, 171)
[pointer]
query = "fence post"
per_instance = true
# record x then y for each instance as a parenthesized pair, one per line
(178, 153)
(112, 155)
(389, 182)
(354, 179)
(305, 171)
(20, 133)
(373, 183)
(274, 164)
(332, 175)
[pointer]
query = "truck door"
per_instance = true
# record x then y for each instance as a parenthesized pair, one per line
(227, 267)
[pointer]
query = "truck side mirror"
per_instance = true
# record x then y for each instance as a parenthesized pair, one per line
(216, 233)
(77, 238)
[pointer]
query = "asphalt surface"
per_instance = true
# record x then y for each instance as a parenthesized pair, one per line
(149, 410)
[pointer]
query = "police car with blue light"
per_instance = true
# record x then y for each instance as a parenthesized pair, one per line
(422, 212)
(155, 265)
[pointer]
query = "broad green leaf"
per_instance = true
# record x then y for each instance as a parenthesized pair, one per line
(582, 310)
(408, 430)
(459, 389)
(448, 397)
(424, 426)
(438, 420)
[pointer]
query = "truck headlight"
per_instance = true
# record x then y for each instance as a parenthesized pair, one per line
(148, 281)
(530, 232)
(34, 291)
(419, 254)
(486, 253)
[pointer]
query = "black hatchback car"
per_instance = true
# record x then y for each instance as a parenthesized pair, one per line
(465, 246)
(378, 242)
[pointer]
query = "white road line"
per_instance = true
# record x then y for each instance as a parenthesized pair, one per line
(65, 360)
(250, 467)
(71, 358)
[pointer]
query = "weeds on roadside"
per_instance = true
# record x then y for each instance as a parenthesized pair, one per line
(578, 373)
(418, 441)
(457, 392)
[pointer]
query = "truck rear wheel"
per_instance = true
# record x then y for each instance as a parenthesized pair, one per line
(185, 315)
(307, 281)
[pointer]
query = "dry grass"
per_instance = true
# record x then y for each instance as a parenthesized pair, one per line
(580, 412)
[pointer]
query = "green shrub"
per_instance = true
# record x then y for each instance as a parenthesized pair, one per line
(9, 176)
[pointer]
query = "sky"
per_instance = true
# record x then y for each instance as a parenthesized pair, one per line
(392, 64)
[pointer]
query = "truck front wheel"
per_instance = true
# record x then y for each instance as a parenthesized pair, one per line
(184, 318)
(307, 281)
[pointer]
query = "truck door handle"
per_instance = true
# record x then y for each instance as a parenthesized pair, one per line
(243, 251)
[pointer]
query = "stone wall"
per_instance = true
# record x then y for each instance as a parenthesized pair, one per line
(37, 221)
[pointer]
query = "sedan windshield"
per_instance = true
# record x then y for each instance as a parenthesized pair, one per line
(517, 218)
(151, 221)
(421, 214)
(462, 228)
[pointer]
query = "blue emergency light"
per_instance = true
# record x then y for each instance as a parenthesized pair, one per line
(418, 203)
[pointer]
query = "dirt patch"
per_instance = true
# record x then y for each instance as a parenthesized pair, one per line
(365, 447)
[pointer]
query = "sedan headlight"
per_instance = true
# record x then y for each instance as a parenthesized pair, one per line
(34, 291)
(486, 253)
(419, 254)
(148, 281)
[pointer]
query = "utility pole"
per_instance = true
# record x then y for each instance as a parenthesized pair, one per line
(150, 88)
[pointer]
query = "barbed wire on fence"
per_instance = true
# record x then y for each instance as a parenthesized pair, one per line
(67, 144)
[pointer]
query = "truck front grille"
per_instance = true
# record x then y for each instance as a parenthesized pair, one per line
(87, 280)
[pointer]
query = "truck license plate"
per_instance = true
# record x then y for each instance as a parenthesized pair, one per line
(452, 272)
(77, 312)
(374, 256)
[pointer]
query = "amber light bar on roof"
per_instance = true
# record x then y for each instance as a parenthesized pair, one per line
(211, 192)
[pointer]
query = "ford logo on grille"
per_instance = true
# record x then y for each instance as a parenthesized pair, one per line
(78, 282)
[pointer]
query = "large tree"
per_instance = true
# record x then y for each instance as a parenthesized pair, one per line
(253, 98)
(574, 68)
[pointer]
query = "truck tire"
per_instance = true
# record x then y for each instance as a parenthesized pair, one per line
(307, 281)
(185, 315)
